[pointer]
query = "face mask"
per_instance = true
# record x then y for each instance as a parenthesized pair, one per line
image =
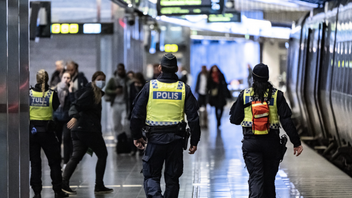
(100, 84)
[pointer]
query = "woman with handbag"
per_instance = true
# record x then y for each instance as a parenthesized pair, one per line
(66, 97)
(86, 132)
(217, 91)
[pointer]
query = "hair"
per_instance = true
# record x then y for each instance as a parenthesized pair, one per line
(97, 92)
(42, 78)
(260, 88)
(139, 76)
(121, 65)
(73, 63)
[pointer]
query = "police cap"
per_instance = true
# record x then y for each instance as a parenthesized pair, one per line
(261, 73)
(169, 61)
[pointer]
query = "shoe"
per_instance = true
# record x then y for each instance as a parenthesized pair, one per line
(60, 194)
(37, 196)
(66, 188)
(63, 167)
(102, 190)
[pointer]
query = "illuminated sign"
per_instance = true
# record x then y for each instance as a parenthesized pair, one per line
(82, 28)
(171, 48)
(227, 17)
(92, 28)
(185, 7)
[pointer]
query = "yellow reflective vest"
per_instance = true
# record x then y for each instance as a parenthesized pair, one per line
(40, 108)
(273, 115)
(166, 103)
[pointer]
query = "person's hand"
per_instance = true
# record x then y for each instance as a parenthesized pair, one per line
(71, 123)
(297, 150)
(139, 143)
(70, 88)
(192, 149)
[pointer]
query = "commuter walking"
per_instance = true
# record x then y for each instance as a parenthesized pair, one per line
(86, 132)
(249, 78)
(217, 91)
(43, 101)
(201, 90)
(118, 91)
(66, 98)
(260, 109)
(135, 87)
(160, 108)
(77, 78)
(56, 76)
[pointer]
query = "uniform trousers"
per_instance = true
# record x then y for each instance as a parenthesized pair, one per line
(49, 143)
(81, 142)
(262, 157)
(154, 157)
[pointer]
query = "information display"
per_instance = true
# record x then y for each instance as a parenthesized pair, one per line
(188, 7)
(227, 17)
(82, 28)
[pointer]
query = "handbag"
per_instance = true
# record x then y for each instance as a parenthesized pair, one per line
(61, 115)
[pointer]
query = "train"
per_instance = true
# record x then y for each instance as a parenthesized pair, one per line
(319, 81)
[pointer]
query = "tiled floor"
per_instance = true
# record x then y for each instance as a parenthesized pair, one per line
(216, 170)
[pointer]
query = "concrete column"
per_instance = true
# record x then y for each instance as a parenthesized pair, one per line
(14, 116)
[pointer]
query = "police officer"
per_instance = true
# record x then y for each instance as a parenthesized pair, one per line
(160, 106)
(43, 101)
(262, 150)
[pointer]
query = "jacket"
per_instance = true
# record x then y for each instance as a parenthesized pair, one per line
(139, 113)
(86, 111)
(82, 80)
(284, 111)
(218, 100)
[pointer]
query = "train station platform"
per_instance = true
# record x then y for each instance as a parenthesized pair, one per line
(216, 170)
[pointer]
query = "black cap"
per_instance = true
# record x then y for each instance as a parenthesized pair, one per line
(169, 61)
(261, 73)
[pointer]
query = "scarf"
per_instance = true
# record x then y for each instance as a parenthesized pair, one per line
(62, 92)
(215, 77)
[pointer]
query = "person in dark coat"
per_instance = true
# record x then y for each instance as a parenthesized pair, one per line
(56, 76)
(157, 109)
(217, 91)
(262, 150)
(43, 102)
(66, 98)
(86, 132)
(77, 78)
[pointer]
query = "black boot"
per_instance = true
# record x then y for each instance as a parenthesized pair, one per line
(66, 188)
(60, 194)
(101, 189)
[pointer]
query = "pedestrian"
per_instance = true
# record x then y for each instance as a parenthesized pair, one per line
(66, 98)
(56, 76)
(117, 90)
(135, 87)
(201, 90)
(160, 109)
(249, 77)
(43, 102)
(217, 91)
(77, 78)
(86, 133)
(259, 110)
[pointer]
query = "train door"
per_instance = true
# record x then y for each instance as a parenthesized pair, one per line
(305, 127)
(312, 68)
(325, 77)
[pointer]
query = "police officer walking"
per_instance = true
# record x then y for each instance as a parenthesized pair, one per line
(43, 101)
(260, 109)
(160, 109)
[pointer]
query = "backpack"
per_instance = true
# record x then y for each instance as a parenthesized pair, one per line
(260, 117)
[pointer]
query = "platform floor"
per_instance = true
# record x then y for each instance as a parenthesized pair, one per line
(216, 170)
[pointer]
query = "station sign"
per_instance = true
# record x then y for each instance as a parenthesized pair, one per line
(171, 48)
(223, 18)
(82, 28)
(189, 7)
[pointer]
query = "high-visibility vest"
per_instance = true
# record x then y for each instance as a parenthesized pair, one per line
(248, 116)
(166, 103)
(40, 108)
